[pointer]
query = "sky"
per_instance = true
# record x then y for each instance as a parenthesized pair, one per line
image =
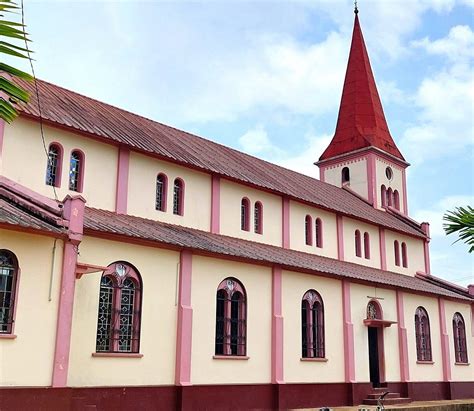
(266, 77)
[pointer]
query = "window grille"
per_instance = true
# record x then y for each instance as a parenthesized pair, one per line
(245, 214)
(404, 255)
(396, 249)
(459, 334)
(312, 325)
(358, 245)
(161, 187)
(53, 166)
(366, 245)
(319, 233)
(308, 227)
(422, 334)
(383, 195)
(75, 168)
(8, 277)
(396, 199)
(178, 193)
(258, 218)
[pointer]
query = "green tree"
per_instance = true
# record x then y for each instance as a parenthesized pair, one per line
(461, 221)
(11, 32)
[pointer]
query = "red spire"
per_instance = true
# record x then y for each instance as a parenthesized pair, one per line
(361, 122)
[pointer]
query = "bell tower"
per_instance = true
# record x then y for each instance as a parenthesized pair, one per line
(362, 155)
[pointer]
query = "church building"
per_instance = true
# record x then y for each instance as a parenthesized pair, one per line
(146, 268)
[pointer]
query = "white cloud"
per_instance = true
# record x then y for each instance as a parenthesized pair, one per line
(256, 141)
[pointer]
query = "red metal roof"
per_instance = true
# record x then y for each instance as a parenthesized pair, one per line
(361, 122)
(64, 108)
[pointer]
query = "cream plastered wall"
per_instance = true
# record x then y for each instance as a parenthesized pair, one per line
(27, 360)
(158, 269)
(423, 372)
(257, 281)
(142, 192)
(349, 227)
(298, 213)
(395, 184)
(460, 372)
(358, 175)
(294, 286)
(231, 199)
(360, 297)
(24, 161)
(415, 253)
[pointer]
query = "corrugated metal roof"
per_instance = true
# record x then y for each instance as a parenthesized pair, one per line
(68, 109)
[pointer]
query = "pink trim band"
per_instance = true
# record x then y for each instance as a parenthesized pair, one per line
(426, 247)
(383, 250)
(405, 198)
(402, 339)
(123, 165)
(285, 224)
(349, 361)
(7, 336)
(215, 204)
(371, 180)
(340, 237)
(230, 357)
(185, 321)
(117, 354)
(444, 341)
(277, 327)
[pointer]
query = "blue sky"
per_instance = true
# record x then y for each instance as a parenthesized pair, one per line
(266, 78)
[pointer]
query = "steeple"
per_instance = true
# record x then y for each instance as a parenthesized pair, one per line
(361, 122)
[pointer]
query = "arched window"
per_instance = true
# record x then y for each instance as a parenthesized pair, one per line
(245, 214)
(404, 255)
(161, 191)
(312, 325)
(358, 245)
(308, 230)
(258, 218)
(383, 195)
(374, 310)
(396, 250)
(76, 171)
(178, 197)
(396, 200)
(422, 334)
(459, 334)
(231, 314)
(390, 197)
(366, 245)
(345, 176)
(8, 281)
(53, 166)
(319, 233)
(118, 320)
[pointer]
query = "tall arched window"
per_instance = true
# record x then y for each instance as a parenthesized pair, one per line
(383, 195)
(459, 334)
(396, 250)
(118, 320)
(308, 230)
(231, 315)
(245, 214)
(358, 245)
(178, 197)
(404, 255)
(8, 280)
(422, 334)
(53, 166)
(258, 218)
(161, 191)
(312, 325)
(390, 197)
(366, 245)
(345, 175)
(396, 200)
(319, 233)
(76, 171)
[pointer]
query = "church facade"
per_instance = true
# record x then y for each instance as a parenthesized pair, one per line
(142, 267)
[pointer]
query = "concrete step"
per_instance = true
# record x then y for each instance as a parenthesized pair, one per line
(388, 401)
(376, 395)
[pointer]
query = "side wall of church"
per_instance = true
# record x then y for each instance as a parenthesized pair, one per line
(415, 253)
(349, 228)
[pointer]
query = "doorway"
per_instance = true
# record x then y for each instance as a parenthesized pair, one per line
(374, 356)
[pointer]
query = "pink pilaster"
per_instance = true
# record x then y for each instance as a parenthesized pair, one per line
(185, 321)
(215, 204)
(405, 198)
(371, 179)
(348, 331)
(444, 341)
(426, 247)
(322, 173)
(383, 251)
(74, 212)
(277, 327)
(123, 165)
(402, 339)
(340, 238)
(285, 223)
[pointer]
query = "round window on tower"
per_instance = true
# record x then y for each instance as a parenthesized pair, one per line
(389, 173)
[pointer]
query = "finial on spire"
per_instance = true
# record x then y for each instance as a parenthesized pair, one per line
(356, 10)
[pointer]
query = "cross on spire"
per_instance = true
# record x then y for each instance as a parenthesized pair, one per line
(356, 10)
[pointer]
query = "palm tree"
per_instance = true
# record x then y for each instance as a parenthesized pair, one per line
(461, 221)
(9, 91)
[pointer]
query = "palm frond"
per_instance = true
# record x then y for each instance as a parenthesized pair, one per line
(461, 221)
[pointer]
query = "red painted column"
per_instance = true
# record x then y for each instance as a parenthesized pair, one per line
(383, 250)
(340, 237)
(215, 204)
(444, 341)
(74, 212)
(277, 327)
(348, 332)
(426, 247)
(285, 226)
(123, 165)
(402, 339)
(185, 321)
